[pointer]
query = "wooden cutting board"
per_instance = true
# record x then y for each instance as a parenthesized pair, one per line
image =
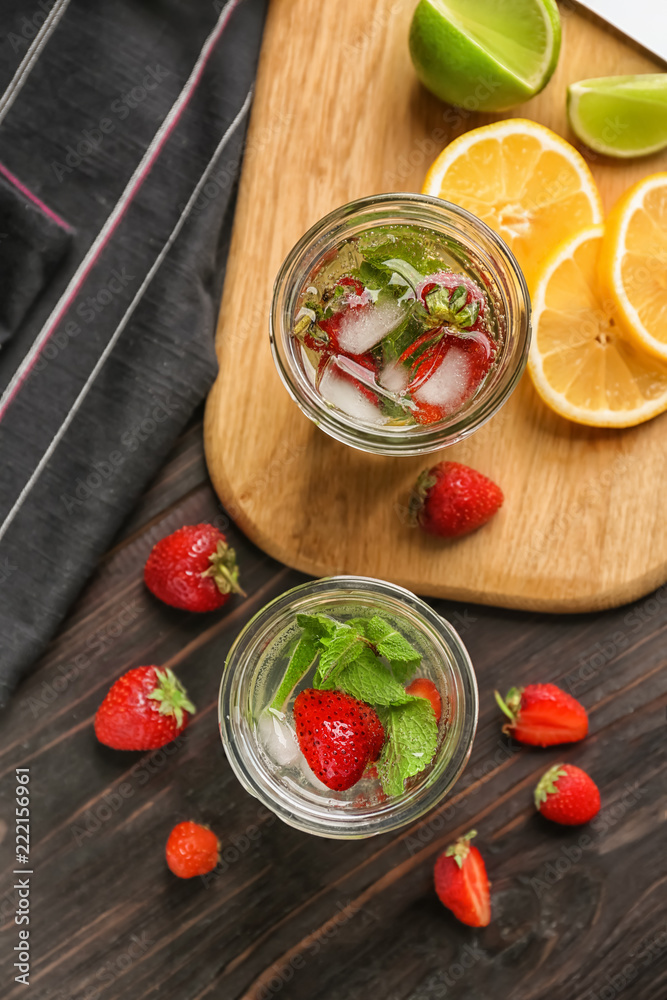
(339, 114)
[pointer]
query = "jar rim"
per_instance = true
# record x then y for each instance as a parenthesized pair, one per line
(474, 236)
(300, 809)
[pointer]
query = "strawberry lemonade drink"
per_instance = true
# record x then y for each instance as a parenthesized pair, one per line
(348, 707)
(400, 323)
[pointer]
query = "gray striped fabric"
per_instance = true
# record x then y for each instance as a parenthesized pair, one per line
(121, 136)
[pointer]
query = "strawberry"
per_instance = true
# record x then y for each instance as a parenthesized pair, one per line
(338, 735)
(452, 298)
(422, 687)
(192, 850)
(462, 375)
(193, 569)
(145, 709)
(462, 884)
(358, 362)
(355, 298)
(451, 499)
(426, 413)
(567, 795)
(419, 347)
(542, 715)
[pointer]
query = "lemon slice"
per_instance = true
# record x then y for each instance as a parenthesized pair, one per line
(633, 263)
(583, 364)
(527, 183)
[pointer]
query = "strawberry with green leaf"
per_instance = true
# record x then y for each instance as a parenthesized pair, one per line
(194, 569)
(145, 709)
(462, 884)
(451, 500)
(565, 794)
(543, 715)
(452, 299)
(423, 687)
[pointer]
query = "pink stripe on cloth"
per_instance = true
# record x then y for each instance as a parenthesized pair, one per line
(34, 199)
(133, 185)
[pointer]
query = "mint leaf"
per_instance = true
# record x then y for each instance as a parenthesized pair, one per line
(359, 623)
(321, 625)
(339, 649)
(412, 739)
(405, 269)
(403, 657)
(394, 344)
(373, 276)
(397, 411)
(367, 679)
(403, 670)
(305, 652)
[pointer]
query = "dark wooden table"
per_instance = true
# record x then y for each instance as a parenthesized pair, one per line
(579, 914)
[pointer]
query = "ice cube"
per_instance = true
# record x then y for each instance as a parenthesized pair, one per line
(448, 386)
(278, 738)
(394, 377)
(363, 328)
(346, 396)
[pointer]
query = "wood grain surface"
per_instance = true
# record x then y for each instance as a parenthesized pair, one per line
(578, 914)
(338, 114)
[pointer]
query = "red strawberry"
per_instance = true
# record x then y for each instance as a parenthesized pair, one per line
(193, 569)
(422, 687)
(338, 735)
(419, 348)
(542, 715)
(452, 500)
(450, 282)
(145, 709)
(358, 361)
(567, 795)
(192, 850)
(353, 299)
(436, 394)
(462, 884)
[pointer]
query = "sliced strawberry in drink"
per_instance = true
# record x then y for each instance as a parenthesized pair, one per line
(350, 282)
(413, 353)
(449, 374)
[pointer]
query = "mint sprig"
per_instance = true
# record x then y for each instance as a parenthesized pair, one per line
(412, 739)
(338, 650)
(403, 658)
(367, 679)
(302, 658)
(370, 660)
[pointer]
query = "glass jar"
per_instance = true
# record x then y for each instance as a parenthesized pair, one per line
(253, 672)
(479, 249)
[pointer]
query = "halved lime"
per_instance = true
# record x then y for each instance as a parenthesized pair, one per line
(485, 55)
(620, 115)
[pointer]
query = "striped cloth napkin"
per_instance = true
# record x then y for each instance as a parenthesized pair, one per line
(122, 125)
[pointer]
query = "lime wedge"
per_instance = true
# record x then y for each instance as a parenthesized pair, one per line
(485, 55)
(620, 115)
